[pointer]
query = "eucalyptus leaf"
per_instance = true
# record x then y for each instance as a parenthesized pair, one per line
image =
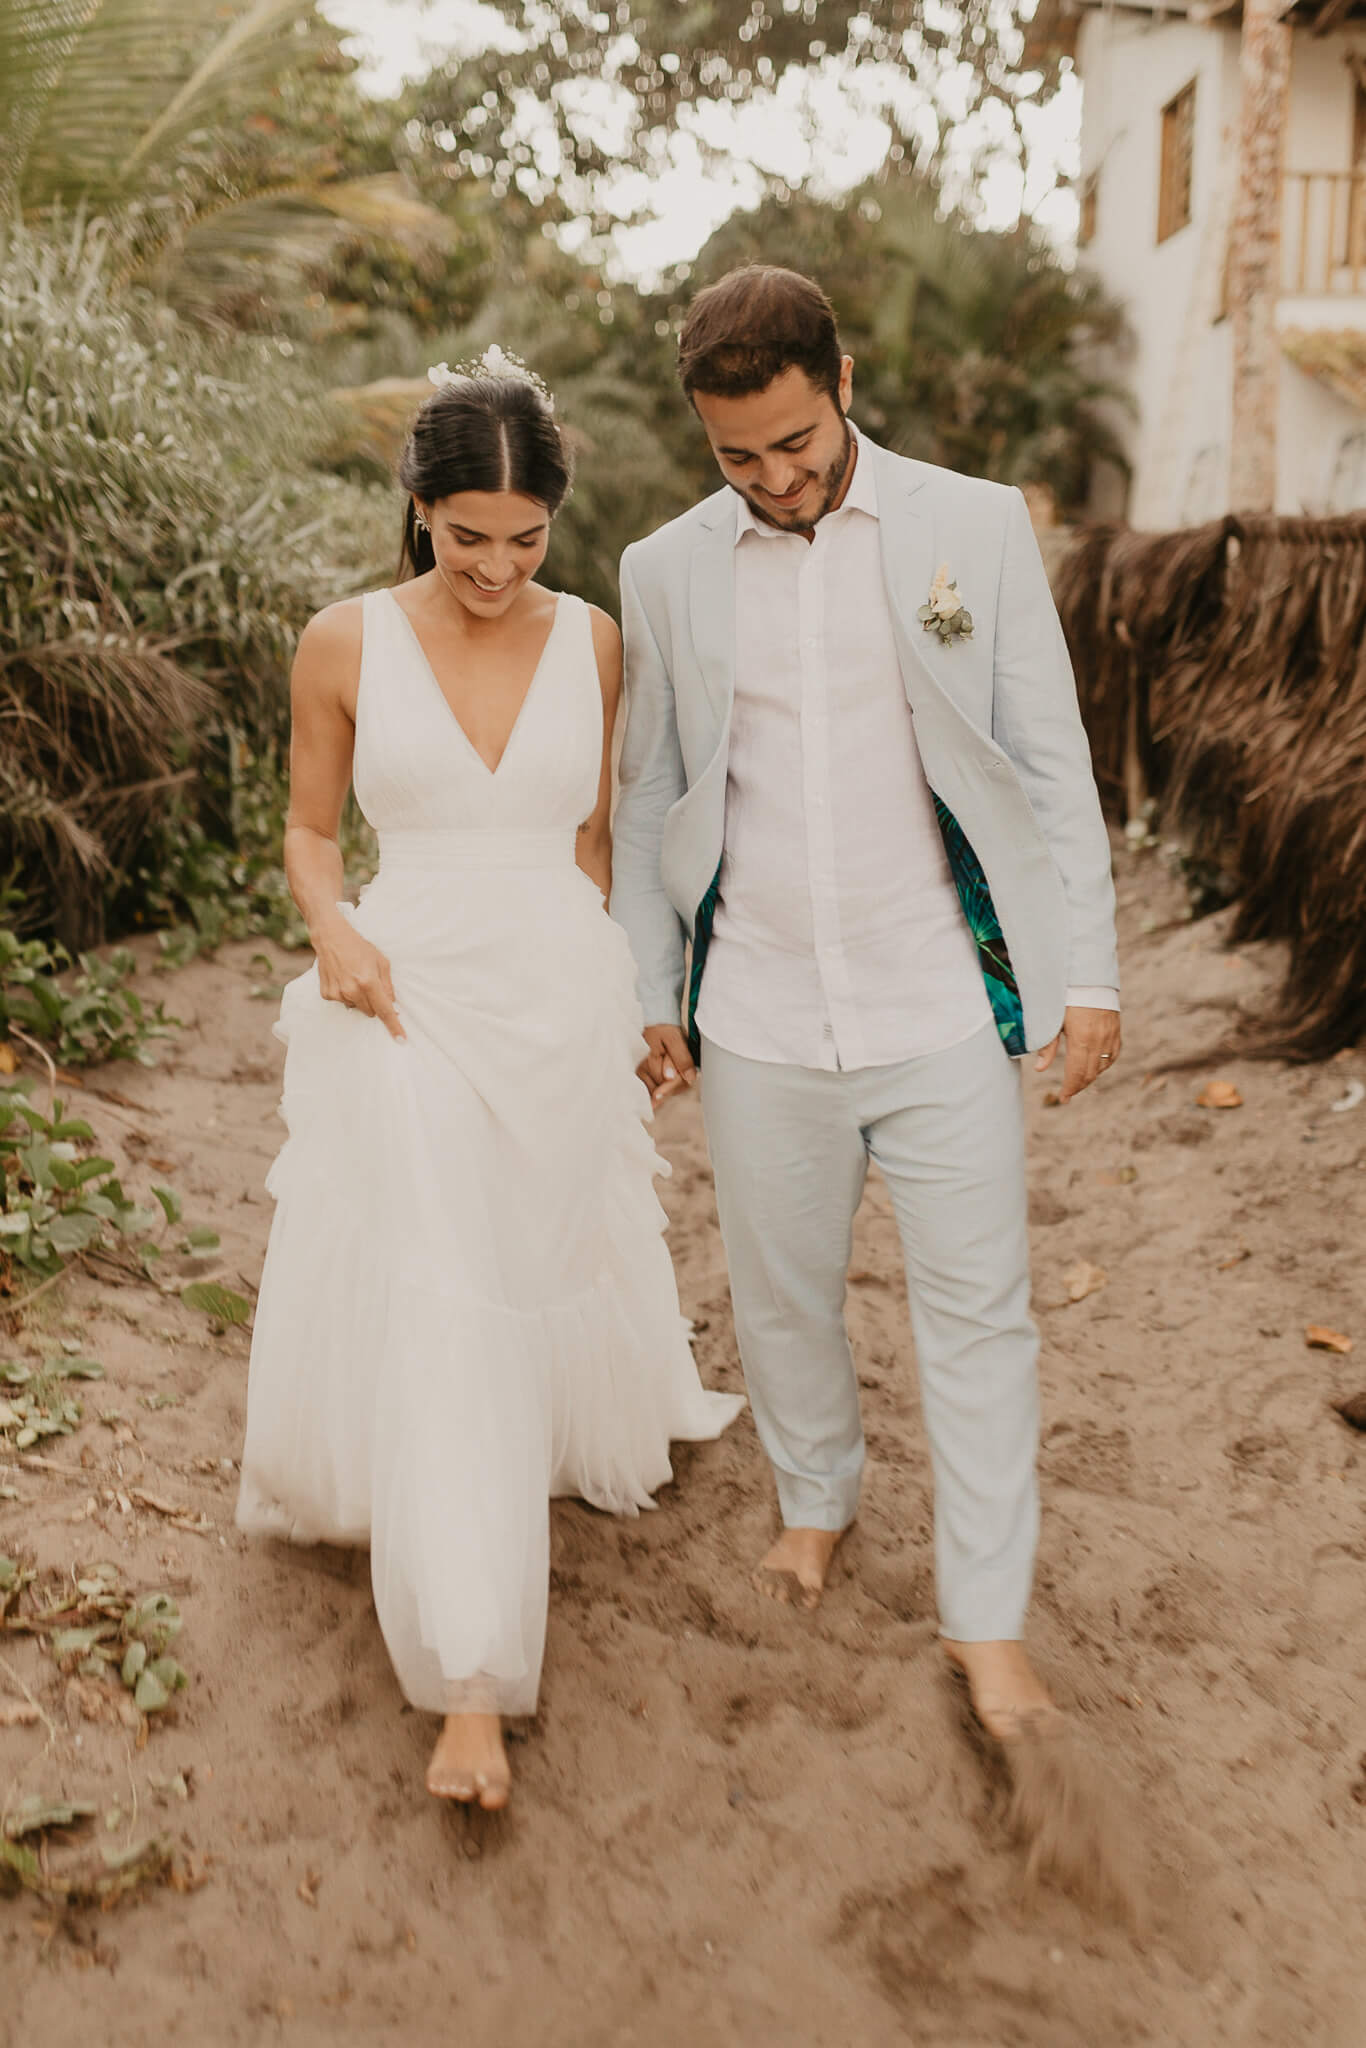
(32, 1815)
(73, 1232)
(216, 1301)
(77, 1642)
(149, 1694)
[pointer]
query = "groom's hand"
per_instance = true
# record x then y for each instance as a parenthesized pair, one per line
(668, 1066)
(1092, 1047)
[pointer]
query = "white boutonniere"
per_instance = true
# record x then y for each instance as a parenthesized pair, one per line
(945, 613)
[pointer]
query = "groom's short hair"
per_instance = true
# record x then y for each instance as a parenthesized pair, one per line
(755, 323)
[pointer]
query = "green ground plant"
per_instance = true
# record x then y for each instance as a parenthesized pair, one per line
(35, 1403)
(59, 1199)
(83, 1010)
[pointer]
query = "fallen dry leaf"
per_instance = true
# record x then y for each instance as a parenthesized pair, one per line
(1319, 1338)
(189, 1876)
(1219, 1095)
(9, 1058)
(1233, 1259)
(31, 1462)
(176, 1510)
(94, 1701)
(1082, 1279)
(308, 1887)
(19, 1714)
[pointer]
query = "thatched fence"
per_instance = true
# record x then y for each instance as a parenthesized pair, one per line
(1222, 673)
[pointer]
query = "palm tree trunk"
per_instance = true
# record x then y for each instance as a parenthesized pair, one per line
(1254, 253)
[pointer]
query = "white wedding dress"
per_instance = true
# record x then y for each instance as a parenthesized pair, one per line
(467, 1303)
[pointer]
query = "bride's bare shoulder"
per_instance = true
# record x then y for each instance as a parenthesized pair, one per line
(606, 632)
(335, 630)
(607, 654)
(327, 660)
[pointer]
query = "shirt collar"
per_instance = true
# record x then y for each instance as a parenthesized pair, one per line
(861, 496)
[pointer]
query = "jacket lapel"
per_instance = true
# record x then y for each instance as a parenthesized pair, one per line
(908, 566)
(711, 604)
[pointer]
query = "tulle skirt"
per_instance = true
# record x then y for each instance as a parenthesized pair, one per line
(467, 1303)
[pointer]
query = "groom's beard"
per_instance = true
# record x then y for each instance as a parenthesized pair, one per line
(829, 486)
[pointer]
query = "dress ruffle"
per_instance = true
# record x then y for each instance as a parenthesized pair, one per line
(468, 1304)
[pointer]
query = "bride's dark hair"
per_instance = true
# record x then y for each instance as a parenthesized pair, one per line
(479, 434)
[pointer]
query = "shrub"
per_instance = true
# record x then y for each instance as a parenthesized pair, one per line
(163, 538)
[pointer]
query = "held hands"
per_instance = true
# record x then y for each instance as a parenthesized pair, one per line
(353, 972)
(1092, 1047)
(668, 1066)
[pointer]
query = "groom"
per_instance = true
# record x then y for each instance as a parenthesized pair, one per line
(860, 858)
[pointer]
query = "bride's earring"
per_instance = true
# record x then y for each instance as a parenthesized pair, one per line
(421, 518)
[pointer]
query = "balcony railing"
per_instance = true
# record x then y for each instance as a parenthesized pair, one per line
(1323, 233)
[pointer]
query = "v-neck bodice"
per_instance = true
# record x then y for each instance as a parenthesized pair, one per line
(527, 694)
(416, 770)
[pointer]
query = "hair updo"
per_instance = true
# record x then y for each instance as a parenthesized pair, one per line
(480, 434)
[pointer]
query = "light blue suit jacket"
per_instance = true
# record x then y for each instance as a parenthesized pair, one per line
(995, 716)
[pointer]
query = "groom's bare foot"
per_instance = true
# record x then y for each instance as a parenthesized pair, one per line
(469, 1762)
(1008, 1695)
(795, 1569)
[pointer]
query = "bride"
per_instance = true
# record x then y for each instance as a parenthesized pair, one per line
(467, 1303)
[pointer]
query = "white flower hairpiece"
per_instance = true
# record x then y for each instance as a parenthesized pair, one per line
(495, 362)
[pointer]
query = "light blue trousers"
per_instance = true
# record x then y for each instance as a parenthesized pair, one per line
(790, 1148)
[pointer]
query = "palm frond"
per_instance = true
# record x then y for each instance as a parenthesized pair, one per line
(223, 70)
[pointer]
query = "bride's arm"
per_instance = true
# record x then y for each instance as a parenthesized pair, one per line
(594, 849)
(321, 744)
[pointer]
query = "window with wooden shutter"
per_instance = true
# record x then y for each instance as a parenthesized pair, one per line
(1178, 153)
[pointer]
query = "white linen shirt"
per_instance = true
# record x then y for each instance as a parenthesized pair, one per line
(839, 940)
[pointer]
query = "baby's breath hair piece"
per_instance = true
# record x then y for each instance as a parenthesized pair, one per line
(496, 362)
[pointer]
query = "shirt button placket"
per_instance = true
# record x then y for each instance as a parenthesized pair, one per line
(816, 778)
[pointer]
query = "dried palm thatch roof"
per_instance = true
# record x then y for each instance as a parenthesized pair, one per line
(1225, 668)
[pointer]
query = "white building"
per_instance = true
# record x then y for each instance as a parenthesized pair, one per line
(1159, 160)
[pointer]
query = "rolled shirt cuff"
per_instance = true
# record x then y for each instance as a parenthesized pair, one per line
(1093, 998)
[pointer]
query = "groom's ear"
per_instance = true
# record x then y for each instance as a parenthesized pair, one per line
(846, 382)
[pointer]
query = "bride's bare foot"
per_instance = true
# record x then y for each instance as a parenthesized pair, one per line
(1008, 1695)
(469, 1762)
(795, 1569)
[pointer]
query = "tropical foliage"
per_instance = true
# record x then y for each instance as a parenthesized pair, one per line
(613, 85)
(163, 537)
(204, 134)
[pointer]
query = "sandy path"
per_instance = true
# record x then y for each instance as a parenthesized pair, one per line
(731, 1824)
